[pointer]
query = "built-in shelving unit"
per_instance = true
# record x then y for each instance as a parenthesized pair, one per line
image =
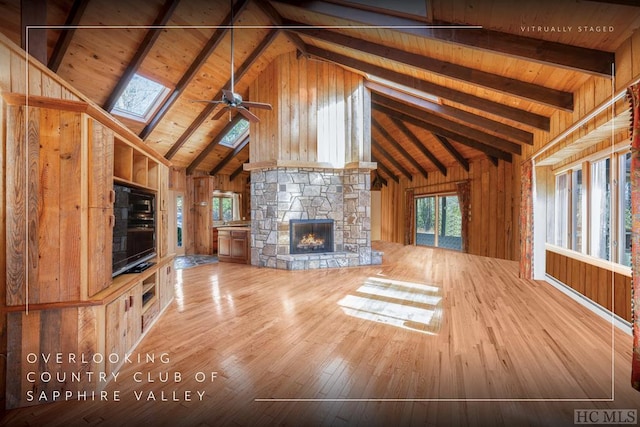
(132, 166)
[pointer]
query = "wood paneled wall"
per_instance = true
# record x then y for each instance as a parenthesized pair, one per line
(321, 113)
(495, 203)
(612, 290)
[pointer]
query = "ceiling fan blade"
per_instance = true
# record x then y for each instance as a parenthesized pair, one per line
(248, 115)
(262, 105)
(220, 113)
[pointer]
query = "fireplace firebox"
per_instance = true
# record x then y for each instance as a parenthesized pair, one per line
(310, 236)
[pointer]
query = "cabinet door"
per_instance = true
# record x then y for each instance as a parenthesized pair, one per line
(167, 279)
(100, 165)
(100, 237)
(123, 325)
(163, 233)
(224, 244)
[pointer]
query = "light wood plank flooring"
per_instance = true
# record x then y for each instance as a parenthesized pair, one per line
(330, 347)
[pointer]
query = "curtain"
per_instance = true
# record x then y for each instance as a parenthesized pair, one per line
(464, 198)
(235, 206)
(633, 94)
(526, 220)
(409, 216)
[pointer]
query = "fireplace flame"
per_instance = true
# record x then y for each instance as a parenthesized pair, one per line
(310, 241)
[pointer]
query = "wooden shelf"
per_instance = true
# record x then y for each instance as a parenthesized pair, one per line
(135, 167)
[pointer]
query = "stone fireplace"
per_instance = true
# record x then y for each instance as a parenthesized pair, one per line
(310, 160)
(313, 199)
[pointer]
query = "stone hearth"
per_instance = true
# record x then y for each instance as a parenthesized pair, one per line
(280, 194)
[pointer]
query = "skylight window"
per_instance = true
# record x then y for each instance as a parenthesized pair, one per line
(140, 98)
(406, 8)
(236, 134)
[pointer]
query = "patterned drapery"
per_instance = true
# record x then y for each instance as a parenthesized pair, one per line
(464, 199)
(633, 93)
(526, 221)
(409, 216)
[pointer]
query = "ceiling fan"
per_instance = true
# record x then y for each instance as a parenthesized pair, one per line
(232, 100)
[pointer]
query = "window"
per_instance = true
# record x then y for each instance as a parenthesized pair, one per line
(576, 209)
(600, 209)
(624, 220)
(179, 215)
(561, 211)
(236, 134)
(439, 221)
(222, 208)
(140, 99)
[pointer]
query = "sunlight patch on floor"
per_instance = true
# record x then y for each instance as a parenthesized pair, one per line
(407, 305)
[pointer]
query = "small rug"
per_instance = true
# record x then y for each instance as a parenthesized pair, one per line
(187, 261)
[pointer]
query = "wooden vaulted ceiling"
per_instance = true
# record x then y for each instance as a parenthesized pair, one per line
(496, 83)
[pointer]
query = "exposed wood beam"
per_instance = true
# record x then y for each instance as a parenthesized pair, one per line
(530, 119)
(419, 145)
(399, 147)
(64, 39)
(513, 87)
(452, 150)
(143, 50)
(385, 169)
(33, 13)
(571, 57)
(493, 160)
(460, 129)
(509, 132)
(230, 156)
(277, 20)
(214, 142)
(207, 50)
(469, 142)
(237, 172)
(208, 109)
(375, 144)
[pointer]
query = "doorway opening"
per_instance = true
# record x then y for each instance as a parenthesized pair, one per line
(439, 221)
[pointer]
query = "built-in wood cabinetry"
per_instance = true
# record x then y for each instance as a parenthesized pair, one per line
(233, 244)
(65, 157)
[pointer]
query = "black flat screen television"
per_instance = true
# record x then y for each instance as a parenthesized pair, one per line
(134, 230)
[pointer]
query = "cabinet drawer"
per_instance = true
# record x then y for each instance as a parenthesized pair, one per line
(150, 315)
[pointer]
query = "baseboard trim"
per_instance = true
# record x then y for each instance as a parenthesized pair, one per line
(601, 311)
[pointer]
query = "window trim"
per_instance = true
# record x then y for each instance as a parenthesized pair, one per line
(153, 106)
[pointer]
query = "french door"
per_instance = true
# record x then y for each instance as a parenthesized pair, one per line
(438, 221)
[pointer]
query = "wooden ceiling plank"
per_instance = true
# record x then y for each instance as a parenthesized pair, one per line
(143, 50)
(391, 159)
(469, 142)
(477, 135)
(513, 87)
(214, 142)
(239, 73)
(385, 169)
(452, 150)
(73, 19)
(276, 19)
(527, 118)
(230, 156)
(206, 51)
(511, 132)
(419, 145)
(591, 61)
(399, 148)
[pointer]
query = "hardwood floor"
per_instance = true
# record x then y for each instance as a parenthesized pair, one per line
(330, 347)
